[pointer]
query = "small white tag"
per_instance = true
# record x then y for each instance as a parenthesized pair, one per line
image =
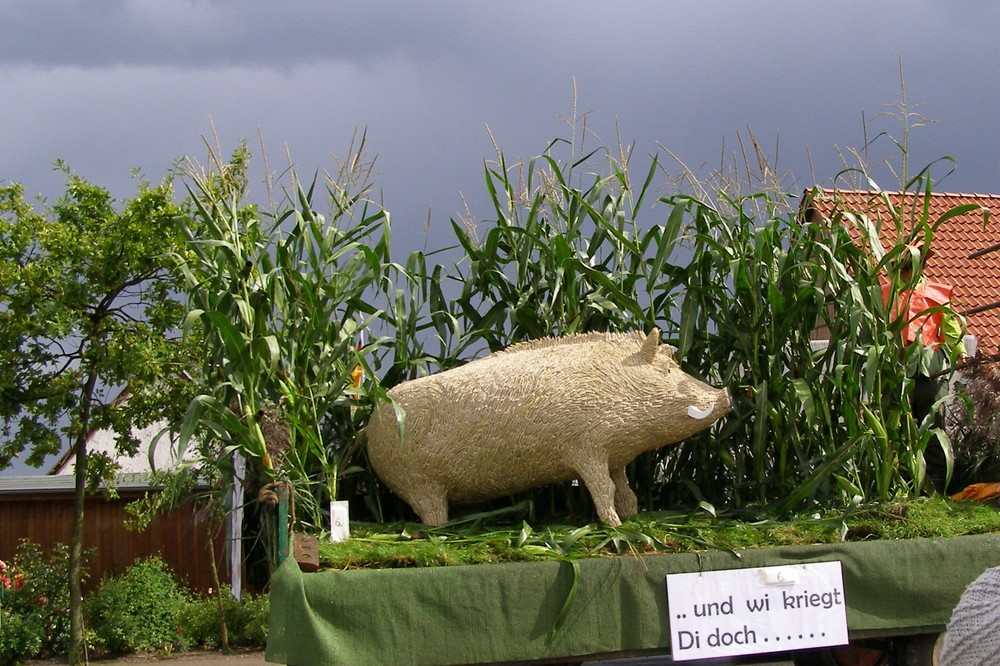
(778, 576)
(340, 526)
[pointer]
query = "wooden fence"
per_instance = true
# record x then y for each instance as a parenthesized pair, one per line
(46, 517)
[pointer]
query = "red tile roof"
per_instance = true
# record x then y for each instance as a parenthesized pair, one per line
(976, 279)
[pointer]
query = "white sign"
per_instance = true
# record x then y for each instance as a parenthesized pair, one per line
(750, 611)
(340, 525)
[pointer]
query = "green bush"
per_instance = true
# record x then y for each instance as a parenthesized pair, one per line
(200, 623)
(246, 620)
(138, 610)
(256, 615)
(36, 596)
(20, 637)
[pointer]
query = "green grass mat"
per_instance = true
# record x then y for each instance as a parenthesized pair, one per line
(481, 540)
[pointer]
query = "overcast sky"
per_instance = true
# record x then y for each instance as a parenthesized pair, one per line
(112, 85)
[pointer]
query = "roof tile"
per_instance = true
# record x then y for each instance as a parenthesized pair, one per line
(976, 279)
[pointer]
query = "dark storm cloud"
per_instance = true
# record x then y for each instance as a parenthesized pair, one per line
(210, 33)
(204, 34)
(112, 85)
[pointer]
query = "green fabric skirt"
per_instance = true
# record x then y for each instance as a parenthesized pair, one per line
(603, 607)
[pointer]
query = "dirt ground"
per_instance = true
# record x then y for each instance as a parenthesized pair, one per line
(202, 658)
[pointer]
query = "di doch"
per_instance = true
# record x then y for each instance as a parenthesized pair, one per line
(792, 601)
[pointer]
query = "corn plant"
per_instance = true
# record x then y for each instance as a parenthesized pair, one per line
(563, 254)
(420, 321)
(281, 299)
(828, 423)
(748, 308)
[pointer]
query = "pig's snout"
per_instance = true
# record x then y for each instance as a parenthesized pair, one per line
(700, 414)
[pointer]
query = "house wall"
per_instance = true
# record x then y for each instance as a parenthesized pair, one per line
(179, 537)
(106, 442)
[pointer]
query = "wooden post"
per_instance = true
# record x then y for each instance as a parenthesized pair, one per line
(282, 524)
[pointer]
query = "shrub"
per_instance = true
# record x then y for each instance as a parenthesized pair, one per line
(256, 615)
(20, 637)
(199, 623)
(36, 597)
(974, 425)
(246, 620)
(138, 610)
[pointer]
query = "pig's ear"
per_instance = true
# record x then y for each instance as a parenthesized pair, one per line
(649, 346)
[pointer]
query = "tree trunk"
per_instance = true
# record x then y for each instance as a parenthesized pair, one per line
(76, 653)
(76, 625)
(223, 629)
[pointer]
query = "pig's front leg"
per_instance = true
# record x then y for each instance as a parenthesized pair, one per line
(626, 503)
(430, 503)
(596, 477)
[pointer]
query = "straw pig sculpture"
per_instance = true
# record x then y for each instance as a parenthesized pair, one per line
(578, 407)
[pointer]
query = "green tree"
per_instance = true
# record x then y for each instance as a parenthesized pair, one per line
(86, 312)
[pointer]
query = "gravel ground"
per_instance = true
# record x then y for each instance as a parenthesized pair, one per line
(255, 658)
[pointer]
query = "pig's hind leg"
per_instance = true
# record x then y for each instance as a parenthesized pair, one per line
(430, 503)
(626, 503)
(596, 477)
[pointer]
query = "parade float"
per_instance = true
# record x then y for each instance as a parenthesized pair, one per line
(438, 400)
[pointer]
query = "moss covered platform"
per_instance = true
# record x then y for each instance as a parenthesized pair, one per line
(576, 608)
